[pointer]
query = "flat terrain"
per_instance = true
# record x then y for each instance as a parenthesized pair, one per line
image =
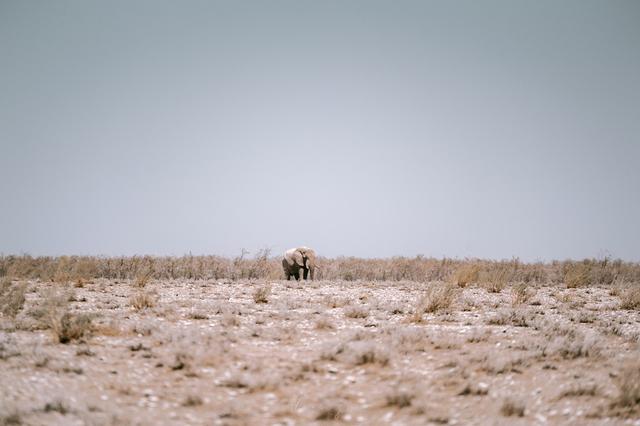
(276, 352)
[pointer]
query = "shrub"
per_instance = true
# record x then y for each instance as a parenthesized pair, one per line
(630, 298)
(437, 297)
(356, 312)
(511, 408)
(12, 298)
(466, 274)
(400, 399)
(496, 278)
(521, 294)
(577, 275)
(261, 294)
(142, 300)
(628, 383)
(68, 327)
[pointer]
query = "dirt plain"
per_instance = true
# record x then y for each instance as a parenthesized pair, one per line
(259, 352)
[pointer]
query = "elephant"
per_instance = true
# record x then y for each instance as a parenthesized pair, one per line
(299, 258)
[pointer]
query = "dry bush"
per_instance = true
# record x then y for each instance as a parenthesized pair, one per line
(579, 390)
(627, 401)
(521, 294)
(515, 317)
(11, 297)
(68, 326)
(574, 344)
(466, 274)
(142, 300)
(472, 389)
(262, 266)
(192, 401)
(10, 419)
(577, 275)
(142, 279)
(630, 297)
(356, 312)
(324, 323)
(437, 297)
(261, 294)
(330, 413)
(495, 279)
(399, 399)
(8, 347)
(512, 408)
(360, 353)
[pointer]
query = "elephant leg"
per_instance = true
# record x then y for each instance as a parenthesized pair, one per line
(311, 273)
(296, 274)
(305, 273)
(286, 269)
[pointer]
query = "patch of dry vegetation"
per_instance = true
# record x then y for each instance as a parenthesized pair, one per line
(264, 266)
(261, 294)
(68, 326)
(630, 297)
(12, 297)
(437, 297)
(142, 300)
(627, 401)
(466, 274)
(512, 408)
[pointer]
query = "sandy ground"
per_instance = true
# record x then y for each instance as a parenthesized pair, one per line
(318, 352)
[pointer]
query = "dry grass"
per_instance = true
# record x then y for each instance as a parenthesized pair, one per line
(262, 265)
(12, 297)
(142, 300)
(577, 275)
(261, 294)
(495, 279)
(630, 297)
(437, 297)
(330, 413)
(511, 408)
(521, 294)
(627, 401)
(400, 399)
(68, 327)
(356, 312)
(466, 274)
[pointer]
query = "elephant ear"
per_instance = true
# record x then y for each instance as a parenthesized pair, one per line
(293, 256)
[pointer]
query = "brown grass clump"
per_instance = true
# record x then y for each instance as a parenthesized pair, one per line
(630, 298)
(142, 300)
(466, 274)
(68, 327)
(521, 294)
(627, 402)
(143, 278)
(261, 294)
(330, 413)
(400, 399)
(192, 401)
(361, 353)
(324, 323)
(356, 312)
(11, 297)
(437, 297)
(495, 279)
(577, 275)
(512, 408)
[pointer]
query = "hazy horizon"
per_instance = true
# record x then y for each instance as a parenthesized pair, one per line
(488, 129)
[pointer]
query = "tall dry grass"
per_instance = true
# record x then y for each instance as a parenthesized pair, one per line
(262, 265)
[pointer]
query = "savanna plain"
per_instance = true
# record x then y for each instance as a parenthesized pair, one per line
(405, 341)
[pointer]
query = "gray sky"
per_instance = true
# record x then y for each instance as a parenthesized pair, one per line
(364, 128)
